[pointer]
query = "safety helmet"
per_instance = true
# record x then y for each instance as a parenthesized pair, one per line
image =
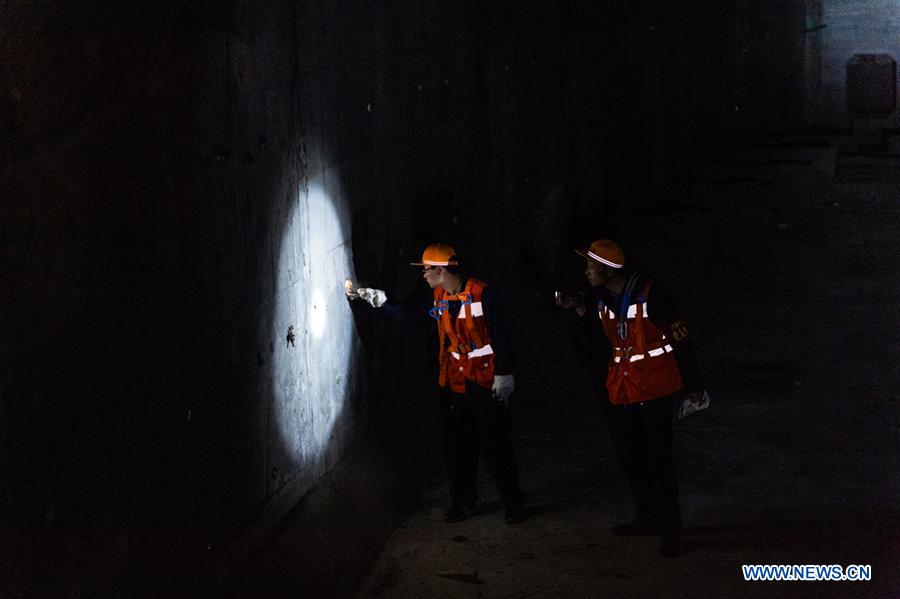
(605, 251)
(437, 254)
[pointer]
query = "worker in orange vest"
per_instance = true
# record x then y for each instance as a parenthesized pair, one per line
(652, 361)
(475, 376)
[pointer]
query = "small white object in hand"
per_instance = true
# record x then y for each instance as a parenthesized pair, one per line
(503, 386)
(688, 407)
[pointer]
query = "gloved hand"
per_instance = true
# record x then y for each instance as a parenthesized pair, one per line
(503, 387)
(568, 301)
(693, 402)
(376, 297)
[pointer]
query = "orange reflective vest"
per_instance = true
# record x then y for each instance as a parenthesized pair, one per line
(643, 366)
(465, 344)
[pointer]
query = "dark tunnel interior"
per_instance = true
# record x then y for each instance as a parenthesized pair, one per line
(191, 407)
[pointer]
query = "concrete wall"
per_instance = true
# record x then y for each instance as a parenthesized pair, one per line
(176, 194)
(838, 30)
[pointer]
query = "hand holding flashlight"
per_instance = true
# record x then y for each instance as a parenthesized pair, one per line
(567, 301)
(375, 297)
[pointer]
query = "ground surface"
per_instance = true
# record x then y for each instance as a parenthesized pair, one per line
(794, 303)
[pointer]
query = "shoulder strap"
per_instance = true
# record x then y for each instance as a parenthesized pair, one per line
(628, 293)
(472, 287)
(641, 314)
(622, 324)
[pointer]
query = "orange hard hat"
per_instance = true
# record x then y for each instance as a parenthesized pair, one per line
(606, 252)
(437, 254)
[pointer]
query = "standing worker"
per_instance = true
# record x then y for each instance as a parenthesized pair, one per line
(652, 361)
(475, 378)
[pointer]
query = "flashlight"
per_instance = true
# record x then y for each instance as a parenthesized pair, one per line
(348, 289)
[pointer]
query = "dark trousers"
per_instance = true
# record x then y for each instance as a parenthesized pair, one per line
(642, 435)
(474, 422)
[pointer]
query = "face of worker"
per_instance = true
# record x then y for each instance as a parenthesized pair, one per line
(596, 273)
(433, 275)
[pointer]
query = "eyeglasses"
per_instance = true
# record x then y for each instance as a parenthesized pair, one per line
(428, 268)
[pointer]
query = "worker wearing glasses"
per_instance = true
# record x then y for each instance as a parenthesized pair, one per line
(476, 361)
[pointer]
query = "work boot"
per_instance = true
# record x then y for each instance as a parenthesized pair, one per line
(458, 513)
(669, 545)
(640, 527)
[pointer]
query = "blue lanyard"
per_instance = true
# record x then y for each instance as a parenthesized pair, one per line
(437, 311)
(444, 305)
(622, 324)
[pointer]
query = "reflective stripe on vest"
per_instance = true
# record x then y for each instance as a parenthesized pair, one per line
(632, 311)
(476, 353)
(652, 353)
(476, 310)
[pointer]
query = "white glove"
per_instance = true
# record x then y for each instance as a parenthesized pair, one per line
(503, 387)
(376, 297)
(693, 403)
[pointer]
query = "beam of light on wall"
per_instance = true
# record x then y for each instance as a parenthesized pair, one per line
(318, 318)
(313, 378)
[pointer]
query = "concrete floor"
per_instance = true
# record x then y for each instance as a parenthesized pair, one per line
(795, 311)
